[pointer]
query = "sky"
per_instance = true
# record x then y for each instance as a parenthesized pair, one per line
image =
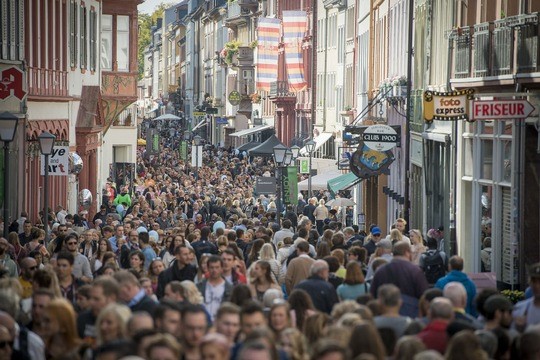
(148, 6)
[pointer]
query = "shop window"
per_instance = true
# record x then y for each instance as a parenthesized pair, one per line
(486, 158)
(485, 253)
(506, 166)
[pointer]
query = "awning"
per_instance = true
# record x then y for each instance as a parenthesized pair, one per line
(248, 146)
(253, 130)
(319, 141)
(319, 182)
(342, 182)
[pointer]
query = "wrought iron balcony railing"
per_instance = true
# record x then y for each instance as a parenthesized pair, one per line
(503, 47)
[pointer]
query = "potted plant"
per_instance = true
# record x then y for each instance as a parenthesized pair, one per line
(255, 98)
(399, 86)
(230, 50)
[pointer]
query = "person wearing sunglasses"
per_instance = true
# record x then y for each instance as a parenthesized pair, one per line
(28, 268)
(6, 343)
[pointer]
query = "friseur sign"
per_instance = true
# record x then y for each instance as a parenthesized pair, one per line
(447, 106)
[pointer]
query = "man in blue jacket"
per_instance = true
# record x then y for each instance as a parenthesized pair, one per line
(455, 266)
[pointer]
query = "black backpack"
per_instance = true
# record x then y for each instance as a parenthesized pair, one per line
(433, 266)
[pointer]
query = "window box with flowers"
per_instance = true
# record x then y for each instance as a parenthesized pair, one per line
(230, 51)
(395, 86)
(255, 98)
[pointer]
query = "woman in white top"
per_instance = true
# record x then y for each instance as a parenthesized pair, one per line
(267, 254)
(321, 214)
(417, 245)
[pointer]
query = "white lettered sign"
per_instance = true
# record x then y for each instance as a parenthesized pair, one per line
(58, 162)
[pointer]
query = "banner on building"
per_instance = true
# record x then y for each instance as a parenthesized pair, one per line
(290, 185)
(304, 166)
(447, 106)
(58, 161)
(268, 33)
(294, 28)
(183, 150)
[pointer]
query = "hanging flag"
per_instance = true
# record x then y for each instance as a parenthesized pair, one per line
(267, 52)
(294, 28)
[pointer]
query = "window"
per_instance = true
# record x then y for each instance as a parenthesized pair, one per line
(122, 42)
(341, 45)
(84, 38)
(73, 33)
(93, 40)
(106, 42)
(350, 22)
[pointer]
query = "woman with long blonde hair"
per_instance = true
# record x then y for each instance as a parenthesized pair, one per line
(60, 324)
(417, 245)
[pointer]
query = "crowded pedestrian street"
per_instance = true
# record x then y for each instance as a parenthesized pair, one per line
(182, 264)
(269, 180)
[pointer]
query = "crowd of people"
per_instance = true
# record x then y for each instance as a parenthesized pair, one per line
(179, 266)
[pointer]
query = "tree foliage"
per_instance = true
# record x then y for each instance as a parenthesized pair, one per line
(145, 33)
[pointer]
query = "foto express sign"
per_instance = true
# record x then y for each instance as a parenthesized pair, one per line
(452, 105)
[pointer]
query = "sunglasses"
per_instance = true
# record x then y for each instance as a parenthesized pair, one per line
(3, 344)
(72, 243)
(32, 268)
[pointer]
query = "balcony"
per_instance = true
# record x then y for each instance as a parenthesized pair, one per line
(493, 49)
(249, 4)
(244, 56)
(280, 90)
(47, 82)
(236, 15)
(210, 6)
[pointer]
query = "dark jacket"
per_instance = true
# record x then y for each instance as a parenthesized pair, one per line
(146, 304)
(322, 293)
(204, 247)
(226, 294)
(188, 272)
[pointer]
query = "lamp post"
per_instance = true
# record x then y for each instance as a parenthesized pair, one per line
(197, 142)
(310, 147)
(46, 144)
(8, 128)
(187, 135)
(279, 158)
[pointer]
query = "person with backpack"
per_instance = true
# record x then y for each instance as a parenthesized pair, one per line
(433, 262)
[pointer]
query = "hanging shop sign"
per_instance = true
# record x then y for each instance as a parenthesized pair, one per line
(58, 161)
(501, 109)
(265, 185)
(447, 106)
(367, 162)
(234, 98)
(380, 137)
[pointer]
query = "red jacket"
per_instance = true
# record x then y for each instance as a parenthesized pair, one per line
(434, 336)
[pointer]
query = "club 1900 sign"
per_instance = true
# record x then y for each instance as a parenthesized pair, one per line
(447, 105)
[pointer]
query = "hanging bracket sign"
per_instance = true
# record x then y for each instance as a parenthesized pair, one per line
(447, 106)
(380, 137)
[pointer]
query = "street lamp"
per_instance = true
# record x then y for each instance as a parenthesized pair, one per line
(197, 142)
(280, 152)
(185, 142)
(310, 147)
(46, 144)
(8, 128)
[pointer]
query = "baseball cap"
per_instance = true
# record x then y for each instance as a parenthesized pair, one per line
(534, 270)
(385, 244)
(376, 231)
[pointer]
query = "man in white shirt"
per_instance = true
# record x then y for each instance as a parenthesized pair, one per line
(215, 289)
